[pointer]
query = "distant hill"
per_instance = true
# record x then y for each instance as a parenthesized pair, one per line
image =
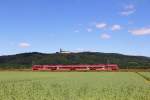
(26, 60)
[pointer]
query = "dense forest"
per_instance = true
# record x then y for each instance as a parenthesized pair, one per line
(26, 60)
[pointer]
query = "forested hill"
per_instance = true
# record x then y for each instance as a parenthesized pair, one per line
(26, 60)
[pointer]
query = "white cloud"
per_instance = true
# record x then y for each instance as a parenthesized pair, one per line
(2, 54)
(116, 27)
(105, 36)
(101, 25)
(130, 6)
(141, 31)
(89, 30)
(126, 13)
(128, 10)
(79, 50)
(24, 45)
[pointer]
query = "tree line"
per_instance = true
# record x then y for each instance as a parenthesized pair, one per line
(26, 60)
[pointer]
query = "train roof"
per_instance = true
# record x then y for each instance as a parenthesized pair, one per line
(77, 65)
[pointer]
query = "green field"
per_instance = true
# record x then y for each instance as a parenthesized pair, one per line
(74, 86)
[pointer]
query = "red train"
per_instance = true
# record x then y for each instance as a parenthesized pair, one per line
(86, 67)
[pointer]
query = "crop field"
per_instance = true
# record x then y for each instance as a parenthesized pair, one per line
(74, 86)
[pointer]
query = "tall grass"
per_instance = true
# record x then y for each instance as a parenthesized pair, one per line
(73, 86)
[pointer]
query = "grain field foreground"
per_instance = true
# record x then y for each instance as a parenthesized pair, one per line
(74, 86)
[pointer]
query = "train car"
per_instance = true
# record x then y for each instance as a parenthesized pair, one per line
(79, 67)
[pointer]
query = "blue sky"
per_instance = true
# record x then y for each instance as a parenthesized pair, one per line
(118, 26)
